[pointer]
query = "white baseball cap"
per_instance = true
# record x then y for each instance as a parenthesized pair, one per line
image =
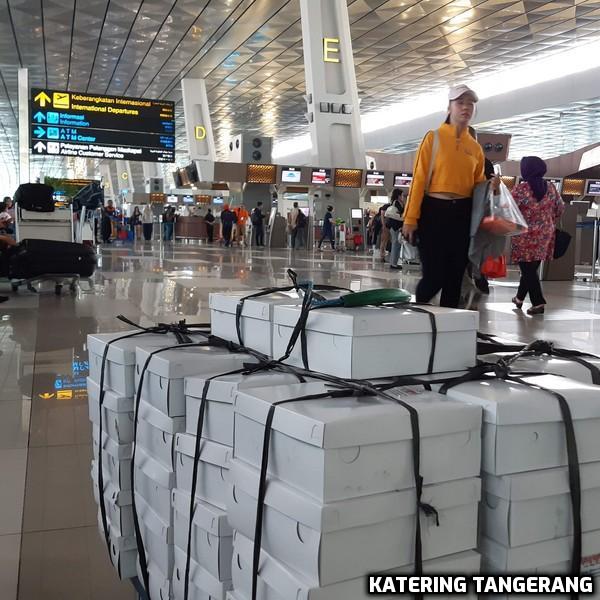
(458, 90)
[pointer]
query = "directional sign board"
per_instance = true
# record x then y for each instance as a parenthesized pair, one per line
(95, 126)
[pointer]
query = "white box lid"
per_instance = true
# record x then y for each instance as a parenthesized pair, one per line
(377, 320)
(123, 352)
(540, 484)
(354, 421)
(158, 419)
(182, 362)
(118, 451)
(150, 520)
(206, 516)
(255, 308)
(153, 469)
(507, 403)
(112, 494)
(112, 400)
(223, 389)
(210, 452)
(200, 577)
(355, 512)
(119, 542)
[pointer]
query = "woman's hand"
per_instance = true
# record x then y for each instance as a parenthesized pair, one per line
(409, 233)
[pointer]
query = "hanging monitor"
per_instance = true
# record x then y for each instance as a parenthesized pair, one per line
(356, 213)
(189, 200)
(375, 179)
(321, 177)
(593, 187)
(291, 175)
(402, 179)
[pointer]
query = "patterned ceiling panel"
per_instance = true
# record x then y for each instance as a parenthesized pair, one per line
(250, 53)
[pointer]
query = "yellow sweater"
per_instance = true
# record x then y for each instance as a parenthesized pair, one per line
(458, 167)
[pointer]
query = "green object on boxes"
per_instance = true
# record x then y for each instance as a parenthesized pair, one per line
(370, 298)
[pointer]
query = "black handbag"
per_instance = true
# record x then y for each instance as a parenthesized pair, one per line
(562, 239)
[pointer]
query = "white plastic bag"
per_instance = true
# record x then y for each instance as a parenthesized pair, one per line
(502, 215)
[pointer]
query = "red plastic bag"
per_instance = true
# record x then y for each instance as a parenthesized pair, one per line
(503, 216)
(494, 267)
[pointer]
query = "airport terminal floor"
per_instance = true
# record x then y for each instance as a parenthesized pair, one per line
(50, 547)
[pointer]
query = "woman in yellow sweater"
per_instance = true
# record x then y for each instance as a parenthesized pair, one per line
(449, 164)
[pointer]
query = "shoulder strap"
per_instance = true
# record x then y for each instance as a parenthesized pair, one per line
(434, 151)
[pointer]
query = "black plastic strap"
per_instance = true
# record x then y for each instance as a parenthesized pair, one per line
(501, 370)
(136, 522)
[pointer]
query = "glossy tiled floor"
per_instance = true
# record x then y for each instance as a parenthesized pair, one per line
(49, 545)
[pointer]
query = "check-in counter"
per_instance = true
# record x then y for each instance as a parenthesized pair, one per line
(194, 228)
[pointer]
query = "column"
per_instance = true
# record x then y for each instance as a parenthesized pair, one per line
(23, 83)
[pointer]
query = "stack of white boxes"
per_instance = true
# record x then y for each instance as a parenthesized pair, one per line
(117, 435)
(340, 496)
(212, 536)
(163, 455)
(526, 519)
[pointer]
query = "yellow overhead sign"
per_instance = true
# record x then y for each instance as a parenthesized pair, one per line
(60, 100)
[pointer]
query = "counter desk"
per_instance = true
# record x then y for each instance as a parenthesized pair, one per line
(194, 228)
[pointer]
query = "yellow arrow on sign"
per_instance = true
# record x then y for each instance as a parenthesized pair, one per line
(42, 98)
(46, 396)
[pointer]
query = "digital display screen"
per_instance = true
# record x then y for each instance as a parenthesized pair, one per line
(321, 177)
(375, 179)
(172, 199)
(217, 200)
(593, 187)
(291, 175)
(356, 213)
(66, 123)
(402, 179)
(189, 200)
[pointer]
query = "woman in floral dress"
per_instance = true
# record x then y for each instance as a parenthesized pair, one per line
(541, 206)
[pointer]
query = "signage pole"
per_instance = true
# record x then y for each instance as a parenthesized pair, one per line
(23, 82)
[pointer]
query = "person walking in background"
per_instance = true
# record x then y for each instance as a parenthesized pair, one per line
(541, 206)
(258, 227)
(393, 221)
(449, 164)
(384, 233)
(375, 228)
(298, 223)
(136, 223)
(327, 231)
(227, 222)
(242, 216)
(209, 219)
(168, 223)
(147, 222)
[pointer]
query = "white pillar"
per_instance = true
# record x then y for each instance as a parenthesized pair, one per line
(333, 109)
(198, 127)
(23, 83)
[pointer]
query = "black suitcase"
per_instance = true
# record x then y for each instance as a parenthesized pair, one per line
(38, 197)
(32, 258)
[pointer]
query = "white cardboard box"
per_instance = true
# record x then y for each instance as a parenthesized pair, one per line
(257, 316)
(218, 414)
(203, 585)
(341, 540)
(120, 363)
(550, 556)
(523, 428)
(160, 584)
(212, 543)
(117, 502)
(117, 424)
(123, 553)
(116, 459)
(156, 434)
(157, 537)
(340, 448)
(213, 466)
(548, 364)
(525, 508)
(153, 483)
(163, 385)
(370, 342)
(277, 582)
(112, 400)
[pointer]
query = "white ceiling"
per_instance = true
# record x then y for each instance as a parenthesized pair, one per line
(250, 53)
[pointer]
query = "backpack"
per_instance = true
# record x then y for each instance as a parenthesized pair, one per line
(300, 219)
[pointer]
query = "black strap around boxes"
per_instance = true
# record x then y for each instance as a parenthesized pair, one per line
(501, 370)
(346, 388)
(136, 522)
(488, 344)
(541, 347)
(295, 286)
(181, 331)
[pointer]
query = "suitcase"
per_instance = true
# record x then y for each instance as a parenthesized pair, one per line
(32, 258)
(37, 197)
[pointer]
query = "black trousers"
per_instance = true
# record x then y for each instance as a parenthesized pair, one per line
(327, 234)
(227, 230)
(258, 233)
(210, 228)
(147, 227)
(444, 236)
(530, 283)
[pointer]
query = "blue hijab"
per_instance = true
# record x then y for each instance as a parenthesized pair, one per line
(533, 170)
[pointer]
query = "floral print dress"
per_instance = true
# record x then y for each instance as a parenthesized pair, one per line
(541, 216)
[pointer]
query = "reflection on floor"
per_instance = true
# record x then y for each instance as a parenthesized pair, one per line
(49, 545)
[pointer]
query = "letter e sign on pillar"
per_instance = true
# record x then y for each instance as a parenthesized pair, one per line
(330, 46)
